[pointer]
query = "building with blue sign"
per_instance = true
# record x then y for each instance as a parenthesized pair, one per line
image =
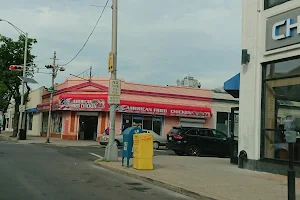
(268, 85)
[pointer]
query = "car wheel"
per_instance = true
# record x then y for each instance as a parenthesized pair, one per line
(118, 143)
(179, 153)
(194, 150)
(156, 145)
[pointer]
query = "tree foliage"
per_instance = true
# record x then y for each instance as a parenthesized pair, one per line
(12, 53)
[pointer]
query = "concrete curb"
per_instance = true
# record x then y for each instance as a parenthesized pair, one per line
(8, 138)
(156, 182)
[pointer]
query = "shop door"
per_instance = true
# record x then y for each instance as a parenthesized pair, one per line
(88, 127)
(234, 119)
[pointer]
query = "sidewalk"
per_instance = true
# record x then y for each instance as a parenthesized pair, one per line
(209, 178)
(53, 141)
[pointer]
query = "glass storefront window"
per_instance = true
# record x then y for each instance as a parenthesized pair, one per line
(281, 99)
(127, 121)
(45, 122)
(157, 125)
(56, 123)
(222, 122)
(147, 122)
(137, 120)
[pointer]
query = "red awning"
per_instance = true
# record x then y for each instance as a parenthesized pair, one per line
(98, 102)
(83, 96)
(164, 109)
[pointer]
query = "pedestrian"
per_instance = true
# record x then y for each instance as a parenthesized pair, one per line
(107, 131)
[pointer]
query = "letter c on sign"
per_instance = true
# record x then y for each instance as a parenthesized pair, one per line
(275, 31)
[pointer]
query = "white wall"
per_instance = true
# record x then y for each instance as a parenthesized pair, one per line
(9, 116)
(253, 39)
(35, 98)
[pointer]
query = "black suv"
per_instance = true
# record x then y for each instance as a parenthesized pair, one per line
(197, 141)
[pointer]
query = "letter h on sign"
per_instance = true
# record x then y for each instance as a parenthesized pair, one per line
(289, 28)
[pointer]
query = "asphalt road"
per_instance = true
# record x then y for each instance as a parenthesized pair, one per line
(29, 172)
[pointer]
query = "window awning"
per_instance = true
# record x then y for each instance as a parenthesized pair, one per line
(31, 110)
(232, 86)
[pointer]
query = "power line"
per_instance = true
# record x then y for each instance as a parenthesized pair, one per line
(89, 35)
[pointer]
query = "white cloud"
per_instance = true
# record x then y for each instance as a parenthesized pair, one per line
(159, 41)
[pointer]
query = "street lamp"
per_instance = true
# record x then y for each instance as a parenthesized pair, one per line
(22, 106)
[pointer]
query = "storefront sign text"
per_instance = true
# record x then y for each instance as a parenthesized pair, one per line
(288, 25)
(78, 104)
(283, 30)
(159, 111)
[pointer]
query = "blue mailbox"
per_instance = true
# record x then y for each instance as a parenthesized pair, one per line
(127, 151)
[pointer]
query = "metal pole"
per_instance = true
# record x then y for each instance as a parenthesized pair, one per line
(291, 174)
(23, 88)
(111, 151)
(51, 100)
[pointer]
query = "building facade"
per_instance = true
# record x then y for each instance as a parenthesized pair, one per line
(9, 116)
(81, 111)
(34, 118)
(269, 82)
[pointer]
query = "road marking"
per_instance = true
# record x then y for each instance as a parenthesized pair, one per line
(98, 156)
(76, 148)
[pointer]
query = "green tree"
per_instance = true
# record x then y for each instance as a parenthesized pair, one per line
(12, 53)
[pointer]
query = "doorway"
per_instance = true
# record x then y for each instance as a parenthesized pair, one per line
(88, 127)
(234, 135)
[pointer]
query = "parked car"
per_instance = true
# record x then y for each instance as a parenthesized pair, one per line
(158, 140)
(196, 141)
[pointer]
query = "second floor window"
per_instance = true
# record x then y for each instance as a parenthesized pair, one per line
(272, 3)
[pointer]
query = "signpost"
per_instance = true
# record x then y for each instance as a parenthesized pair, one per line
(51, 90)
(111, 62)
(21, 108)
(114, 92)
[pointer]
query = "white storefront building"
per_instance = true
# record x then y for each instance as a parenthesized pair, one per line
(269, 88)
(34, 118)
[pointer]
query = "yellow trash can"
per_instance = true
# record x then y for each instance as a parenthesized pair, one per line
(143, 151)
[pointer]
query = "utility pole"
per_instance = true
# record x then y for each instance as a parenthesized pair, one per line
(90, 79)
(20, 125)
(54, 68)
(111, 150)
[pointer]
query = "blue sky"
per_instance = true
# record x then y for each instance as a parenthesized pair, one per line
(158, 41)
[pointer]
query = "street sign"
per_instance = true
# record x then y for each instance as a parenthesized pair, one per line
(113, 100)
(114, 87)
(51, 90)
(111, 64)
(21, 108)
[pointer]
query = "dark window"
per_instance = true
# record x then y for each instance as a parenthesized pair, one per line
(205, 133)
(219, 134)
(223, 122)
(157, 122)
(272, 3)
(192, 132)
(30, 116)
(127, 121)
(280, 98)
(147, 122)
(45, 122)
(137, 120)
